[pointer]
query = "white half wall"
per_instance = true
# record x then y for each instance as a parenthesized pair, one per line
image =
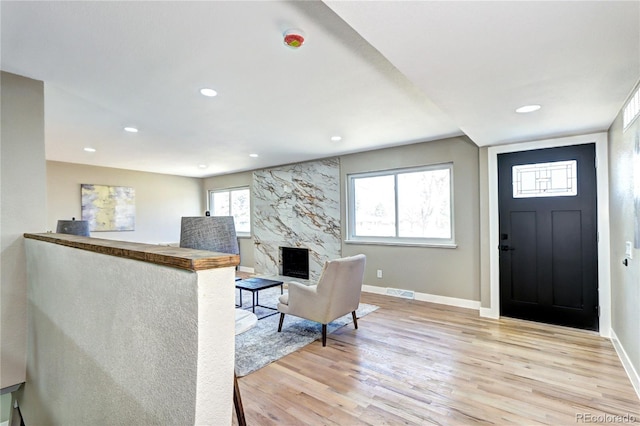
(121, 341)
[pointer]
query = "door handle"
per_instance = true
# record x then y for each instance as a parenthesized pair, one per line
(504, 247)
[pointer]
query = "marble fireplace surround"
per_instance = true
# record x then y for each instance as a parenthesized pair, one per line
(296, 206)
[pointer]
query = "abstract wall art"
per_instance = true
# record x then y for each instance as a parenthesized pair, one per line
(108, 208)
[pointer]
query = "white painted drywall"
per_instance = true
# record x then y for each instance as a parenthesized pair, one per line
(625, 280)
(23, 209)
(216, 346)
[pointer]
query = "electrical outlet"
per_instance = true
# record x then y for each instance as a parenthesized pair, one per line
(379, 273)
(629, 249)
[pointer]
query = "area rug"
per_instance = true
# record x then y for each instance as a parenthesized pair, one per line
(262, 344)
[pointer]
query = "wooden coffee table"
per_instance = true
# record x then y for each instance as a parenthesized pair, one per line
(254, 285)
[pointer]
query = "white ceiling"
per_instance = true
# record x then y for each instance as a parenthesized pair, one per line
(376, 73)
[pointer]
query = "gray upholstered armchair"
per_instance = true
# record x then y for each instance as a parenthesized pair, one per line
(336, 294)
(213, 233)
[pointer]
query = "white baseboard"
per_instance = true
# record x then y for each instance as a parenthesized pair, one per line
(5, 423)
(425, 297)
(451, 301)
(626, 363)
(489, 313)
(374, 289)
(246, 269)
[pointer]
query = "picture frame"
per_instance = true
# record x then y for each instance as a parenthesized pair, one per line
(108, 208)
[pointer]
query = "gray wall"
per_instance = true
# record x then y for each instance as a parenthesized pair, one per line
(625, 281)
(161, 200)
(438, 271)
(23, 204)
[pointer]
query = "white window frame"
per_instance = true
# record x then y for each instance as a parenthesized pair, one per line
(211, 192)
(405, 241)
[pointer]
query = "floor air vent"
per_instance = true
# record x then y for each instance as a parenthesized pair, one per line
(407, 294)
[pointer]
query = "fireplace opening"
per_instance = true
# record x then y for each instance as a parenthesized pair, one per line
(295, 262)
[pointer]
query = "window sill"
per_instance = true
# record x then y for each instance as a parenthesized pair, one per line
(402, 243)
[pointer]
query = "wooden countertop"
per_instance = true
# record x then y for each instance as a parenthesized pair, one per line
(176, 257)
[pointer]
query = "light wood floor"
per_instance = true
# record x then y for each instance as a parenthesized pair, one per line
(419, 363)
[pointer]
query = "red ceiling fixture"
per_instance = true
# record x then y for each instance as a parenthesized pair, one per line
(293, 38)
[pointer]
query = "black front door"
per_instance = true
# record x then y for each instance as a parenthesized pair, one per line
(548, 236)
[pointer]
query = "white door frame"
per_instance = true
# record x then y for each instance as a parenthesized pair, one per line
(602, 176)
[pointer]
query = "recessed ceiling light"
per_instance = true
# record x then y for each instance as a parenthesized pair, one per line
(90, 149)
(202, 166)
(131, 129)
(208, 92)
(253, 155)
(528, 108)
(336, 138)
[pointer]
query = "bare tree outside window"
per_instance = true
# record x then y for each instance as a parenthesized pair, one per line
(375, 210)
(233, 202)
(424, 204)
(411, 205)
(240, 208)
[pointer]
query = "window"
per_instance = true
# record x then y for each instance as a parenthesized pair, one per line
(408, 206)
(233, 202)
(557, 179)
